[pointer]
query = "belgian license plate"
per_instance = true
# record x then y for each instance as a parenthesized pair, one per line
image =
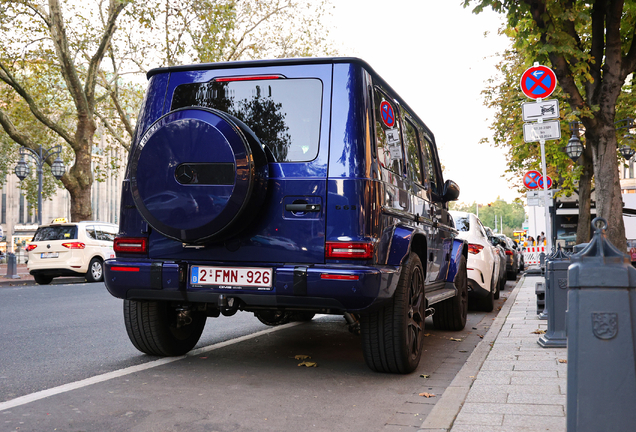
(232, 277)
(49, 255)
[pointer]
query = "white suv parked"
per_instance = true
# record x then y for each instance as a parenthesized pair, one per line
(71, 249)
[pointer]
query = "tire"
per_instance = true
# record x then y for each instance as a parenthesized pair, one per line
(273, 317)
(451, 314)
(511, 275)
(498, 290)
(393, 336)
(95, 271)
(152, 328)
(487, 304)
(42, 280)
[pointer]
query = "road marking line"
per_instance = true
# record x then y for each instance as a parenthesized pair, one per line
(23, 400)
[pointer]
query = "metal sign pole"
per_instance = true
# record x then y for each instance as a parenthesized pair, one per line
(546, 202)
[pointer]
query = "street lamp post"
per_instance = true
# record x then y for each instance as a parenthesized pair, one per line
(40, 157)
(626, 150)
(574, 148)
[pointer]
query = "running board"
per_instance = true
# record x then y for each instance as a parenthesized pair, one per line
(441, 295)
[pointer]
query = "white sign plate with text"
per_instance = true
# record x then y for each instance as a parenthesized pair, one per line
(533, 132)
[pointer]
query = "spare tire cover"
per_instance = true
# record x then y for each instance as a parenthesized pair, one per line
(195, 174)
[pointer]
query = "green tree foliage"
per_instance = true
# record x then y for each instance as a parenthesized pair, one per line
(512, 213)
(72, 73)
(591, 48)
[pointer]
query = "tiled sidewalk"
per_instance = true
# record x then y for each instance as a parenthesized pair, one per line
(520, 386)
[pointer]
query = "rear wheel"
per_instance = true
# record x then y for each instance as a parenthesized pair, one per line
(157, 328)
(392, 336)
(95, 270)
(451, 314)
(42, 280)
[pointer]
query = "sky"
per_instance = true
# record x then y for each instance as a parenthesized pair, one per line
(435, 55)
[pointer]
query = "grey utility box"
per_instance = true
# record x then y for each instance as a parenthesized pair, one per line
(556, 300)
(601, 388)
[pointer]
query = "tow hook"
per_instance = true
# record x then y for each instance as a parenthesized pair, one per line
(353, 322)
(184, 316)
(429, 312)
(228, 305)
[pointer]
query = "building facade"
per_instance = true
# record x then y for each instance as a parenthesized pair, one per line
(18, 219)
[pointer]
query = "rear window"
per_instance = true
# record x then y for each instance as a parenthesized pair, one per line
(67, 232)
(283, 113)
(462, 224)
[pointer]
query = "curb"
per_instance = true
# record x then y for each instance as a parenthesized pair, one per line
(443, 414)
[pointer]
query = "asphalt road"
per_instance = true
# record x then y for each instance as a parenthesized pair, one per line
(62, 334)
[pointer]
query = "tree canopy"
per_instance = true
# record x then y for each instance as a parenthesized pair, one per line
(71, 73)
(591, 48)
(512, 214)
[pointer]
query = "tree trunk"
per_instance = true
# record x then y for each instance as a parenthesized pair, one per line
(585, 196)
(81, 174)
(609, 203)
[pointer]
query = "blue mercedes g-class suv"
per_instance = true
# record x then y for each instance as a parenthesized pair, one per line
(285, 188)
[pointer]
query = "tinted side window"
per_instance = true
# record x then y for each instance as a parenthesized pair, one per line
(55, 233)
(414, 163)
(106, 233)
(429, 165)
(387, 131)
(90, 232)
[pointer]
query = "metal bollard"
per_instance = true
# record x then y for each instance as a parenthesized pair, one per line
(539, 290)
(543, 315)
(601, 388)
(12, 267)
(556, 300)
(542, 262)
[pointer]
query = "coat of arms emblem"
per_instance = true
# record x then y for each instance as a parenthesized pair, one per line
(605, 324)
(563, 283)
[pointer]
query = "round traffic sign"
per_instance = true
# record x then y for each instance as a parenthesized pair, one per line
(388, 116)
(541, 182)
(531, 179)
(538, 82)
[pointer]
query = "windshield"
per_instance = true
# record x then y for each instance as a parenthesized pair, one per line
(283, 113)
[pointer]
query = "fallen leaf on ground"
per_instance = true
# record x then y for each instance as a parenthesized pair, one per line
(481, 336)
(455, 339)
(301, 357)
(427, 395)
(537, 331)
(427, 334)
(425, 376)
(563, 361)
(463, 351)
(308, 364)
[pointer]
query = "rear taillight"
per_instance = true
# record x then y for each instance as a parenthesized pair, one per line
(30, 247)
(74, 245)
(131, 244)
(348, 250)
(508, 252)
(474, 248)
(326, 276)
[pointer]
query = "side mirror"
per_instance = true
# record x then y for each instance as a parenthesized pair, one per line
(450, 192)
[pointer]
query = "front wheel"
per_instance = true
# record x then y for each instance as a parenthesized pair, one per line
(392, 337)
(451, 314)
(158, 328)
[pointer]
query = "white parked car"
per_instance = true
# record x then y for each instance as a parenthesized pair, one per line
(71, 249)
(483, 260)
